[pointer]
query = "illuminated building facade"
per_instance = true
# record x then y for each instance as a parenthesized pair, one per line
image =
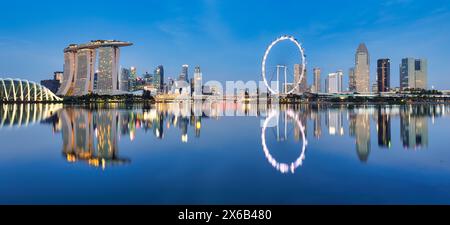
(108, 70)
(79, 68)
(132, 80)
(85, 69)
(91, 137)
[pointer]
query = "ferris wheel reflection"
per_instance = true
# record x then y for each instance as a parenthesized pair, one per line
(279, 120)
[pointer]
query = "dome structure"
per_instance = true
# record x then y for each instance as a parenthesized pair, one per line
(17, 90)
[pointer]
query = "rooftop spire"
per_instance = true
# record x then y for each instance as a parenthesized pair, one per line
(362, 48)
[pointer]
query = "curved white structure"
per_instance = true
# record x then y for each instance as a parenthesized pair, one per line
(17, 90)
(302, 58)
(23, 115)
(284, 167)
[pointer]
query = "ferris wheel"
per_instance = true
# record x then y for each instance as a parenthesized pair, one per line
(302, 63)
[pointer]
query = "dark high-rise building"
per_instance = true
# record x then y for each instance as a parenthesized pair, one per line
(124, 79)
(158, 78)
(184, 73)
(192, 86)
(132, 79)
(351, 80)
(383, 75)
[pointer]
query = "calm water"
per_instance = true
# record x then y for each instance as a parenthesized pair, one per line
(225, 153)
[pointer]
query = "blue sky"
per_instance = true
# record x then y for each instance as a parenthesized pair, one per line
(226, 38)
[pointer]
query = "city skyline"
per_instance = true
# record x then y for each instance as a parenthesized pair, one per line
(329, 45)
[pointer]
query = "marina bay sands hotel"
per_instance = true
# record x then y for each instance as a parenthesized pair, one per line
(80, 67)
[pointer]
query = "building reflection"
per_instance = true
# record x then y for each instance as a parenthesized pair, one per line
(384, 127)
(92, 135)
(316, 116)
(23, 115)
(279, 120)
(414, 127)
(362, 135)
(335, 121)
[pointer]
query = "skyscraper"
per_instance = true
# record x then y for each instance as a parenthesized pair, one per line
(351, 80)
(170, 84)
(108, 70)
(85, 69)
(184, 73)
(158, 78)
(124, 76)
(132, 79)
(197, 81)
(383, 75)
(316, 80)
(79, 68)
(334, 82)
(362, 69)
(413, 73)
(69, 77)
(303, 86)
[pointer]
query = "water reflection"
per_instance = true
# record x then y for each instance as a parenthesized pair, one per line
(414, 127)
(279, 120)
(92, 134)
(18, 115)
